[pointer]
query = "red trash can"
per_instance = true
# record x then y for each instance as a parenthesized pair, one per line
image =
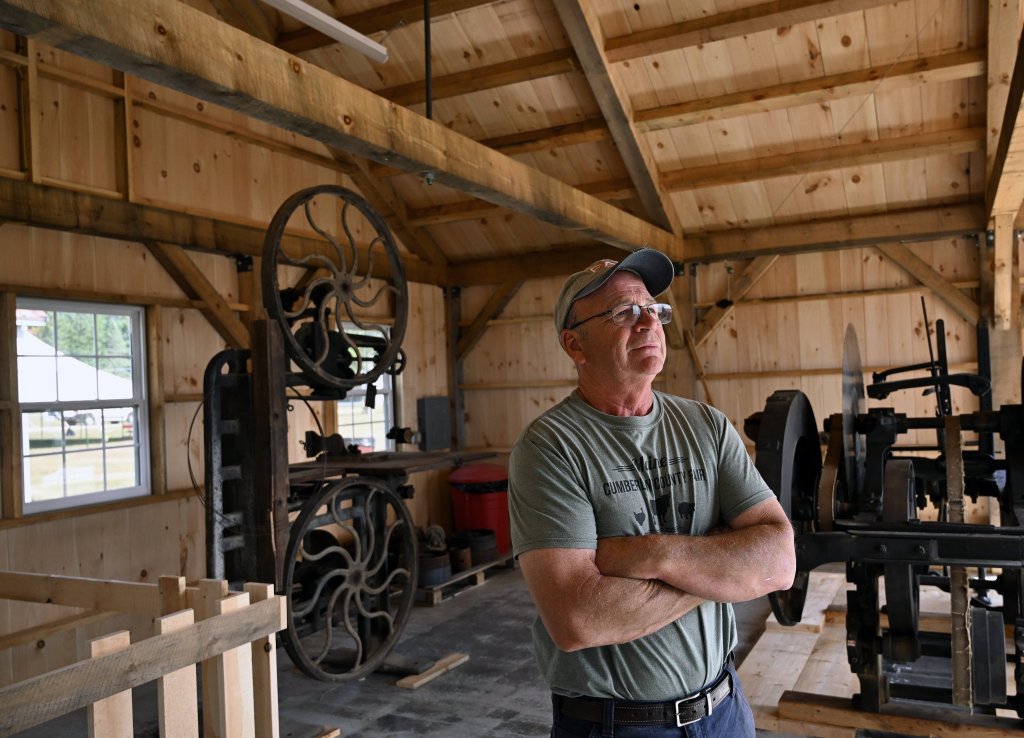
(480, 501)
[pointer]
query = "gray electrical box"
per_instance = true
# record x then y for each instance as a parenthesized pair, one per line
(435, 424)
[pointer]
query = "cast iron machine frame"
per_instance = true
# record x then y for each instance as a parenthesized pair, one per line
(858, 504)
(335, 535)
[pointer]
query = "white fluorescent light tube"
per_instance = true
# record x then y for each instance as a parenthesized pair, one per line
(331, 27)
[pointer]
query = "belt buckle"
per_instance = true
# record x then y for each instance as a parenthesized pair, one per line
(707, 698)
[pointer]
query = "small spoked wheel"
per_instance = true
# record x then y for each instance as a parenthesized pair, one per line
(329, 287)
(350, 578)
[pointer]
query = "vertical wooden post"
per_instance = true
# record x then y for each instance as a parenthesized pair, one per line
(270, 436)
(959, 584)
(234, 670)
(1002, 271)
(264, 671)
(176, 692)
(211, 592)
(452, 316)
(123, 139)
(11, 482)
(111, 717)
(156, 401)
(172, 594)
(28, 97)
(250, 289)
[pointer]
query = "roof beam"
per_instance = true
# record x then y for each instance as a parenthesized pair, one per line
(1005, 188)
(548, 64)
(249, 16)
(956, 141)
(731, 24)
(370, 21)
(59, 209)
(620, 188)
(924, 224)
(584, 30)
(1004, 19)
(175, 45)
(544, 263)
(817, 91)
(498, 301)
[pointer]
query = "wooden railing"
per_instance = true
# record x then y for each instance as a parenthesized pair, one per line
(230, 635)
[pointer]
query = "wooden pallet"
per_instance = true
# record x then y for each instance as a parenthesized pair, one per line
(462, 582)
(798, 680)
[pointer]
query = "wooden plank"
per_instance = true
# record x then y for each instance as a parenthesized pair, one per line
(172, 594)
(234, 679)
(1004, 189)
(825, 711)
(177, 706)
(926, 224)
(443, 666)
(194, 283)
(959, 580)
(956, 141)
(1002, 52)
(264, 671)
(41, 632)
(753, 272)
(72, 512)
(211, 591)
(926, 275)
(121, 298)
(91, 594)
(821, 592)
(730, 24)
(28, 97)
(40, 699)
(1004, 252)
(584, 30)
(156, 400)
(11, 491)
(254, 18)
(110, 717)
(814, 91)
(231, 68)
(499, 299)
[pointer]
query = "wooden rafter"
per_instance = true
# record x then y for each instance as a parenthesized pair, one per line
(194, 283)
(548, 64)
(499, 299)
(1005, 188)
(730, 24)
(837, 233)
(610, 190)
(64, 210)
(923, 272)
(715, 316)
(546, 263)
(253, 18)
(956, 141)
(820, 90)
(373, 20)
(231, 68)
(1004, 19)
(584, 30)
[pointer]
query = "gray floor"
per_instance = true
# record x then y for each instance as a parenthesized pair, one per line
(498, 692)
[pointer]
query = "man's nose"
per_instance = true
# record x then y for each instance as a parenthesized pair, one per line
(647, 319)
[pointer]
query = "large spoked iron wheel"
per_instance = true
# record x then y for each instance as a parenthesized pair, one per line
(350, 579)
(322, 289)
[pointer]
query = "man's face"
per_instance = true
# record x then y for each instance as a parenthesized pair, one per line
(619, 353)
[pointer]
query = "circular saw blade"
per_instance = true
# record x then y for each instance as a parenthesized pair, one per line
(854, 404)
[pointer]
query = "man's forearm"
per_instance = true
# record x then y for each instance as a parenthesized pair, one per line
(730, 567)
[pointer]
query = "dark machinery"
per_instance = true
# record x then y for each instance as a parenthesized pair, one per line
(334, 535)
(859, 505)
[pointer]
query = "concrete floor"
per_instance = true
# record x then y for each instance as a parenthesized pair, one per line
(498, 692)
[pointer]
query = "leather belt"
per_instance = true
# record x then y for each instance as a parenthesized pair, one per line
(674, 712)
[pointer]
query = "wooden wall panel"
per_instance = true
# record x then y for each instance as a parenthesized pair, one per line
(10, 151)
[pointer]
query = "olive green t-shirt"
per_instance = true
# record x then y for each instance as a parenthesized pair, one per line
(577, 475)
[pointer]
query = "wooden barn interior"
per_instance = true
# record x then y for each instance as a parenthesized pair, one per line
(807, 165)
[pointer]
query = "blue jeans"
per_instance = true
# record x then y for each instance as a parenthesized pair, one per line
(730, 719)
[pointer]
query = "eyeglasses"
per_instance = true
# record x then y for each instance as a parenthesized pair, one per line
(629, 315)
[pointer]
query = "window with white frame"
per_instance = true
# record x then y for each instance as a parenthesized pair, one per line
(363, 426)
(81, 389)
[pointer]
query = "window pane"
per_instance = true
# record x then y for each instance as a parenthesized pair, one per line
(37, 379)
(35, 332)
(115, 377)
(114, 335)
(122, 469)
(76, 380)
(43, 477)
(41, 433)
(82, 429)
(118, 424)
(76, 334)
(83, 472)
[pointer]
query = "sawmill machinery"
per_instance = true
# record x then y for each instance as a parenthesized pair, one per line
(859, 504)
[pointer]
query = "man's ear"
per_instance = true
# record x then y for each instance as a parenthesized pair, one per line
(571, 345)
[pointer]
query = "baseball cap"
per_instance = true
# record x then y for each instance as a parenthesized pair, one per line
(652, 266)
